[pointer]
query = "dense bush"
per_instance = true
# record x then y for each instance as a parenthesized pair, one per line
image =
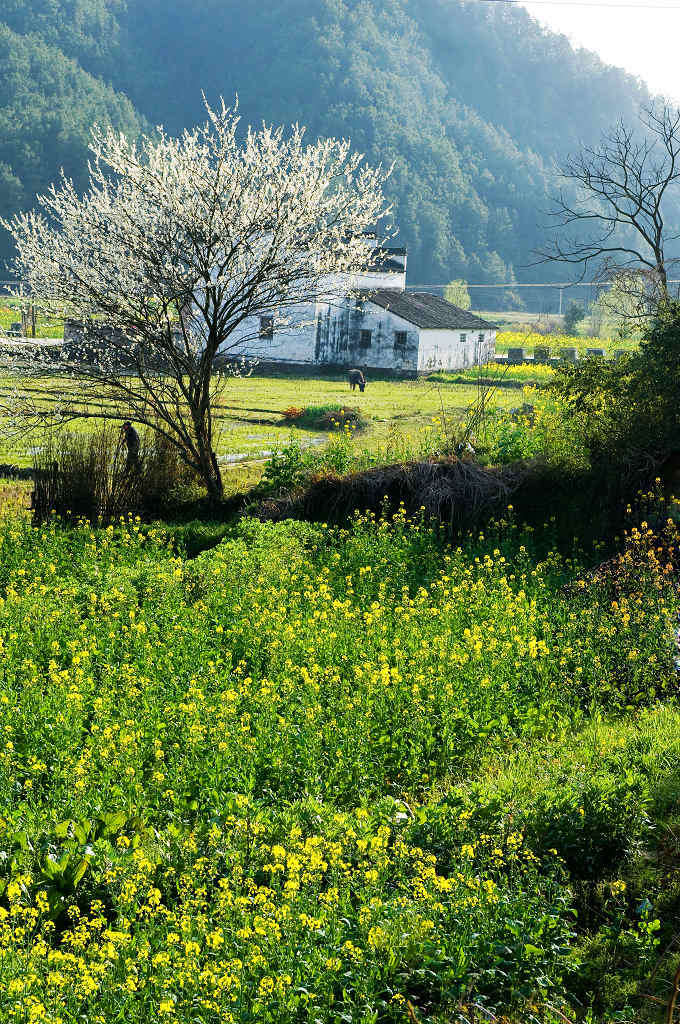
(536, 428)
(323, 417)
(629, 409)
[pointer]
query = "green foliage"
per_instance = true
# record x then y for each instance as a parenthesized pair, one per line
(629, 409)
(291, 466)
(540, 427)
(471, 165)
(324, 417)
(244, 775)
(573, 316)
(48, 104)
(592, 823)
(457, 293)
(285, 469)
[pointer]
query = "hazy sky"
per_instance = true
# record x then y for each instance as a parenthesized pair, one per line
(641, 37)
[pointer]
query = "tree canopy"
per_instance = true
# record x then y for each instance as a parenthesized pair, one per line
(183, 247)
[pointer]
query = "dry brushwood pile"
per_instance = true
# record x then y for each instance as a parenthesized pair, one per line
(456, 492)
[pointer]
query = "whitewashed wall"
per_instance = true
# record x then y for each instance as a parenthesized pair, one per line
(290, 344)
(445, 350)
(338, 337)
(331, 335)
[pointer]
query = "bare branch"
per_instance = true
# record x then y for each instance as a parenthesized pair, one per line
(620, 186)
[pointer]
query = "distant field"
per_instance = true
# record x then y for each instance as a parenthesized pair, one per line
(45, 327)
(250, 414)
(529, 341)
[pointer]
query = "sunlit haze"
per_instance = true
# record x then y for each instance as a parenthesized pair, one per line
(640, 37)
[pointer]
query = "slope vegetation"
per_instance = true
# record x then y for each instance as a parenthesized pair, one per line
(470, 102)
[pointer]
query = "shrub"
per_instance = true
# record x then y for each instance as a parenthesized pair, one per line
(285, 468)
(593, 823)
(630, 410)
(83, 475)
(323, 417)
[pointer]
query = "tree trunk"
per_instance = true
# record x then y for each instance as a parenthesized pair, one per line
(209, 468)
(218, 491)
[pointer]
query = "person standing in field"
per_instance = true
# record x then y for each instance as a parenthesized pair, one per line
(132, 443)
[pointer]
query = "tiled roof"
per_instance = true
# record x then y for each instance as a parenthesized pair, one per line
(425, 310)
(387, 266)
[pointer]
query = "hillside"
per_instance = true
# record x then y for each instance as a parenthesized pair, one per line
(471, 102)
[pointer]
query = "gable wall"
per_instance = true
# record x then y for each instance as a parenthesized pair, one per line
(444, 350)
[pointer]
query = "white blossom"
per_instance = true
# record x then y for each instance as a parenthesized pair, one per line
(179, 245)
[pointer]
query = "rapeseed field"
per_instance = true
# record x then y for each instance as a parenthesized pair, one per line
(245, 786)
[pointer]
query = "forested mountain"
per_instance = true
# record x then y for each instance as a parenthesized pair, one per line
(472, 102)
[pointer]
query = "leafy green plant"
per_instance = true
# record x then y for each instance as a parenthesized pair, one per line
(324, 417)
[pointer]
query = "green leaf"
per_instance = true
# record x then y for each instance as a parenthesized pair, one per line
(63, 829)
(80, 870)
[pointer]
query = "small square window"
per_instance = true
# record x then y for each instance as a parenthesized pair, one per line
(480, 339)
(463, 338)
(365, 339)
(267, 327)
(400, 339)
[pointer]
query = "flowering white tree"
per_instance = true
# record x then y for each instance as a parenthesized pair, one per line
(178, 245)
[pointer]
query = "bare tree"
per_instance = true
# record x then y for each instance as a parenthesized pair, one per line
(616, 197)
(181, 247)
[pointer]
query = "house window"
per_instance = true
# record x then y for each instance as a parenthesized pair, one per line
(365, 339)
(463, 338)
(267, 327)
(480, 339)
(400, 338)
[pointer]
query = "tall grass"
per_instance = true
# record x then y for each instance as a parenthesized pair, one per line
(81, 475)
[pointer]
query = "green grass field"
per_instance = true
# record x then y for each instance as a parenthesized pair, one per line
(46, 327)
(251, 423)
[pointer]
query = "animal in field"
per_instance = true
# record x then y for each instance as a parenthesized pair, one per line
(356, 377)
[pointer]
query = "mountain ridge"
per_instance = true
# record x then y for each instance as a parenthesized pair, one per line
(473, 103)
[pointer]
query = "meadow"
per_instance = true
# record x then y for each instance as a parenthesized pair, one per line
(322, 774)
(46, 327)
(369, 774)
(251, 422)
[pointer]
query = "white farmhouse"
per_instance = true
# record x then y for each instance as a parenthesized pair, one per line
(372, 322)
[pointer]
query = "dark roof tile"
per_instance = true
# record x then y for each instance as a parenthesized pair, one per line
(425, 310)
